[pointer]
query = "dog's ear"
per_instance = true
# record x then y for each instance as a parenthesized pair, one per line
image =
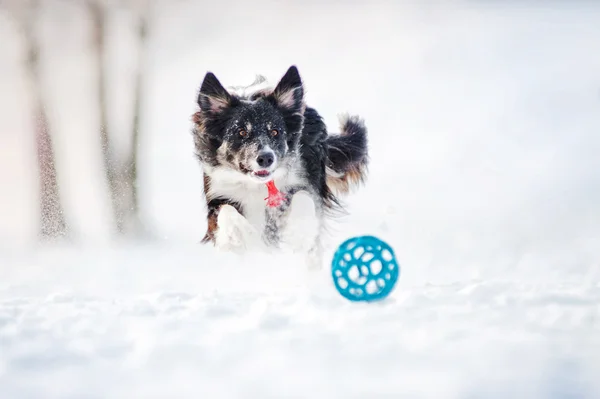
(289, 92)
(213, 98)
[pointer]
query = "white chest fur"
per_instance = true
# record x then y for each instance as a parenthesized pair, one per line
(251, 195)
(301, 231)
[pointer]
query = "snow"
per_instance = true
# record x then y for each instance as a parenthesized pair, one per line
(157, 322)
(485, 179)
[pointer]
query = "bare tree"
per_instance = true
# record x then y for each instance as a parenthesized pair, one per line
(97, 11)
(143, 11)
(53, 222)
(121, 174)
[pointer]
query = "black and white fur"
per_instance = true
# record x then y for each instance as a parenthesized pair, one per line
(244, 140)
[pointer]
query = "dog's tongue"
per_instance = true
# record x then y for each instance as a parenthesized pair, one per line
(275, 197)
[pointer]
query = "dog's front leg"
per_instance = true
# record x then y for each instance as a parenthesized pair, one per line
(301, 229)
(234, 232)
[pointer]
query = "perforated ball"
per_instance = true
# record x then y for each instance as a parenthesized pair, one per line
(364, 269)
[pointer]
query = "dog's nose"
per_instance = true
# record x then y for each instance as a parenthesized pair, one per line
(265, 159)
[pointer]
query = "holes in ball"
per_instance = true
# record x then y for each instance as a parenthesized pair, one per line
(381, 282)
(347, 257)
(342, 283)
(350, 245)
(391, 266)
(376, 266)
(338, 273)
(367, 257)
(353, 273)
(386, 255)
(371, 287)
(388, 276)
(365, 270)
(358, 252)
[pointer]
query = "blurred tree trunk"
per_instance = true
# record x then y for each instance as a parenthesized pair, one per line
(52, 216)
(97, 10)
(131, 168)
(121, 174)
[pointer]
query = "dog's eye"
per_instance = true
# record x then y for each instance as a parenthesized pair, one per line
(243, 133)
(274, 132)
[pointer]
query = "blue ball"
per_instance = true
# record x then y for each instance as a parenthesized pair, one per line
(364, 269)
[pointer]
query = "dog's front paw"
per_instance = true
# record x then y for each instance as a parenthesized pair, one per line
(303, 207)
(234, 232)
(302, 224)
(302, 231)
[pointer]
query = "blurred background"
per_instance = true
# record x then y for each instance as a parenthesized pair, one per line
(483, 116)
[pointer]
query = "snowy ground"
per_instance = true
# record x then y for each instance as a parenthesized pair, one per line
(157, 323)
(165, 323)
(484, 124)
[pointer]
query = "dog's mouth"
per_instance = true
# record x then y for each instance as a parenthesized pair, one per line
(261, 175)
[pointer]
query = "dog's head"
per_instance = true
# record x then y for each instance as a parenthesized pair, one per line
(254, 135)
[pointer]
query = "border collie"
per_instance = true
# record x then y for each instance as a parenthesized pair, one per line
(246, 137)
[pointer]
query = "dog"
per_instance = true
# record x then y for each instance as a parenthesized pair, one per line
(247, 136)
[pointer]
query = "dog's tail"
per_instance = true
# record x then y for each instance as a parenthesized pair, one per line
(347, 155)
